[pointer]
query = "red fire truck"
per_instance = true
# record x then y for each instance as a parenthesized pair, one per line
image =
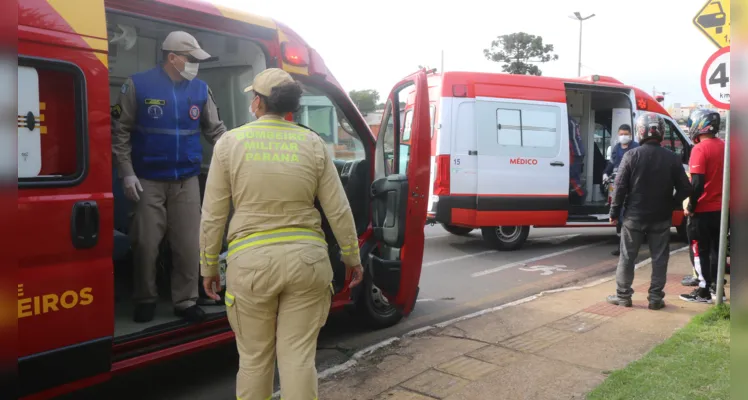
(74, 307)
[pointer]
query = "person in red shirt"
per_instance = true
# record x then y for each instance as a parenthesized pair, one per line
(706, 166)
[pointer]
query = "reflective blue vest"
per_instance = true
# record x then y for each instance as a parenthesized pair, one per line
(166, 136)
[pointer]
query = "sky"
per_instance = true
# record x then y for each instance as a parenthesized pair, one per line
(372, 45)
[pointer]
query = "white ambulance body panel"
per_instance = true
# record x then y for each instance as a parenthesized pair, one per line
(29, 120)
(463, 141)
(523, 147)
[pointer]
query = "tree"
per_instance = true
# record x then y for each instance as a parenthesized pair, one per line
(365, 100)
(518, 51)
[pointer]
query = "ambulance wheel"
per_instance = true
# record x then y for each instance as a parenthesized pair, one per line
(505, 238)
(373, 307)
(457, 230)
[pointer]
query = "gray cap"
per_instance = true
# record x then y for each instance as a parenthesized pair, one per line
(183, 42)
(266, 80)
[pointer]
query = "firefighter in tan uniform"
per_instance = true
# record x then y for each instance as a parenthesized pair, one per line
(156, 145)
(278, 280)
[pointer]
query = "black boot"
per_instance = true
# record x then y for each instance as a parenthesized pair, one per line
(193, 314)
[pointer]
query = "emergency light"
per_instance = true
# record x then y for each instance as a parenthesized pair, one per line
(295, 54)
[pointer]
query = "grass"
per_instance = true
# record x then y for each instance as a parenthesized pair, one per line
(693, 364)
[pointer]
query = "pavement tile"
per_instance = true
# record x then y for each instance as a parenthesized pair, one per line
(435, 384)
(531, 378)
(609, 347)
(392, 366)
(579, 322)
(400, 394)
(606, 309)
(497, 355)
(568, 302)
(466, 367)
(536, 340)
(504, 324)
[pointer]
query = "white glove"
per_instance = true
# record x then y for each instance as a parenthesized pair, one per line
(131, 185)
(606, 178)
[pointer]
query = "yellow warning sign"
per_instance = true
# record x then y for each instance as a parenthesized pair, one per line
(714, 22)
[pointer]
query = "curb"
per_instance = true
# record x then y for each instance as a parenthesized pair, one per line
(353, 361)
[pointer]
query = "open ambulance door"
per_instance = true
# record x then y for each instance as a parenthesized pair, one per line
(399, 194)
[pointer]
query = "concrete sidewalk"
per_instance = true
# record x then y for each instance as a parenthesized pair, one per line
(557, 346)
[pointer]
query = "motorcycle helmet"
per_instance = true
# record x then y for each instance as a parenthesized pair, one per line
(649, 126)
(695, 114)
(703, 122)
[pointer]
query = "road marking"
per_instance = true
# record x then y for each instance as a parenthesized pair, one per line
(437, 236)
(530, 260)
(458, 258)
(547, 269)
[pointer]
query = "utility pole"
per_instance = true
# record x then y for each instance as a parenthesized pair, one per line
(581, 19)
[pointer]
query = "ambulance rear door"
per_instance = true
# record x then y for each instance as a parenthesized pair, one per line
(399, 193)
(523, 162)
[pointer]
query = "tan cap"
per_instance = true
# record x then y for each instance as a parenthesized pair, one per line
(266, 80)
(183, 42)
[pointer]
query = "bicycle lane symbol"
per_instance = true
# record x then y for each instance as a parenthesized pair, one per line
(546, 269)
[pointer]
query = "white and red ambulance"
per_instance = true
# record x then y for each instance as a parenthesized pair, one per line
(501, 150)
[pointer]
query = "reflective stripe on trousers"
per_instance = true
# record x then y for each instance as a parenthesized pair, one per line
(274, 236)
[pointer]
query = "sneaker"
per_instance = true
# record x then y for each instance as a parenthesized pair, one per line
(696, 297)
(619, 301)
(192, 314)
(690, 280)
(144, 312)
(656, 305)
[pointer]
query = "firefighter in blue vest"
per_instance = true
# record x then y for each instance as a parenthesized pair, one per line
(156, 145)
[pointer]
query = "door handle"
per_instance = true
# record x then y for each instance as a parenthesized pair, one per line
(84, 224)
(557, 164)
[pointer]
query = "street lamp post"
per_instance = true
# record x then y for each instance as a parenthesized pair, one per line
(581, 19)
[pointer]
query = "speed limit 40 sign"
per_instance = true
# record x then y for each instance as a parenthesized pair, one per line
(715, 79)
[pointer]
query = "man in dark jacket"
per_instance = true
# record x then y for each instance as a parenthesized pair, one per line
(625, 143)
(645, 182)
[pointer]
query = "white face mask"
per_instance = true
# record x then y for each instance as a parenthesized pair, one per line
(190, 71)
(625, 139)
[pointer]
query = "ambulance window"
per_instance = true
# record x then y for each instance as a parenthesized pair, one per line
(672, 140)
(51, 123)
(407, 125)
(526, 128)
(432, 112)
(322, 115)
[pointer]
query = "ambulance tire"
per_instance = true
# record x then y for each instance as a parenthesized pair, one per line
(372, 307)
(457, 230)
(506, 238)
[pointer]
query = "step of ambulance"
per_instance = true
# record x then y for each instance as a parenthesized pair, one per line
(590, 218)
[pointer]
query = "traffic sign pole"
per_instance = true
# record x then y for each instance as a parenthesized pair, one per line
(724, 220)
(715, 84)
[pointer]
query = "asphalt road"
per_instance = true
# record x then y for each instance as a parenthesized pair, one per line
(460, 275)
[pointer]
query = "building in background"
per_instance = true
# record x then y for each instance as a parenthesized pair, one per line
(681, 112)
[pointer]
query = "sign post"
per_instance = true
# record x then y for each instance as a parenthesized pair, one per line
(715, 83)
